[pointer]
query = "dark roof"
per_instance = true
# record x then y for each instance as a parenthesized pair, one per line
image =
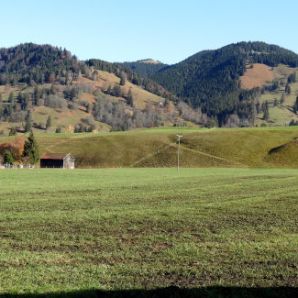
(54, 156)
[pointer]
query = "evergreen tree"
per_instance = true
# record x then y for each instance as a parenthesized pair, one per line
(37, 94)
(258, 107)
(253, 114)
(292, 78)
(130, 99)
(89, 108)
(49, 122)
(8, 158)
(116, 91)
(122, 78)
(58, 130)
(266, 111)
(288, 89)
(12, 131)
(109, 90)
(28, 123)
(11, 97)
(94, 75)
(31, 151)
(283, 98)
(295, 107)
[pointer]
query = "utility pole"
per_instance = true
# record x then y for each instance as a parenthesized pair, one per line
(178, 152)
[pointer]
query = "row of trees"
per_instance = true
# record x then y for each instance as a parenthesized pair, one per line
(117, 115)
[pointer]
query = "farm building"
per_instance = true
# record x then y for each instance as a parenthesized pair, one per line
(65, 161)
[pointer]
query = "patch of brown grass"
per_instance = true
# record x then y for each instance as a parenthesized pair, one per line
(88, 97)
(257, 76)
(105, 79)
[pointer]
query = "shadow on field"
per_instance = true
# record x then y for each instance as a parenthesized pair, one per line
(172, 292)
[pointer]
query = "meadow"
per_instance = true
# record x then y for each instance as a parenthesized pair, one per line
(240, 147)
(214, 232)
(264, 147)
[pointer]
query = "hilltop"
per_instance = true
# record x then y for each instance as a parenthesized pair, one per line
(146, 67)
(149, 61)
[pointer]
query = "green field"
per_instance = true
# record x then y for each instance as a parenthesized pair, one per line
(229, 232)
(240, 147)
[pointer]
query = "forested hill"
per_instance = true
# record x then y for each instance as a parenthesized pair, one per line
(243, 84)
(46, 88)
(210, 79)
(135, 72)
(31, 63)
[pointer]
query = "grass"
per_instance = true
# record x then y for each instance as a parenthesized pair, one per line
(240, 147)
(281, 114)
(117, 229)
(158, 148)
(257, 76)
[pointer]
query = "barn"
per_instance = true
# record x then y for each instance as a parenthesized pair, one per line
(63, 161)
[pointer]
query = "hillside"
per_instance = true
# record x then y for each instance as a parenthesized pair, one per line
(246, 147)
(136, 72)
(48, 89)
(213, 80)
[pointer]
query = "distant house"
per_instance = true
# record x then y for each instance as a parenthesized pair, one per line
(63, 161)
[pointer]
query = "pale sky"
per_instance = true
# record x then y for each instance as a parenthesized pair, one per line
(167, 30)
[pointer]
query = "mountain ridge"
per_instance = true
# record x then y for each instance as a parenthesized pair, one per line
(210, 79)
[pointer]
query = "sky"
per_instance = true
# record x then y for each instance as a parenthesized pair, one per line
(129, 30)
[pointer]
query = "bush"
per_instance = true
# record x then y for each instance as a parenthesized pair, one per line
(8, 158)
(71, 93)
(72, 106)
(12, 131)
(55, 102)
(293, 123)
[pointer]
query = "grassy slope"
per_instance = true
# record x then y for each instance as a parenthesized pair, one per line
(245, 147)
(157, 147)
(282, 114)
(105, 79)
(261, 75)
(256, 75)
(146, 228)
(64, 118)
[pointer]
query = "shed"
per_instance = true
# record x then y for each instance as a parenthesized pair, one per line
(63, 161)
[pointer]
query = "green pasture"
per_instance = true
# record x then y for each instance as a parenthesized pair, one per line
(129, 229)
